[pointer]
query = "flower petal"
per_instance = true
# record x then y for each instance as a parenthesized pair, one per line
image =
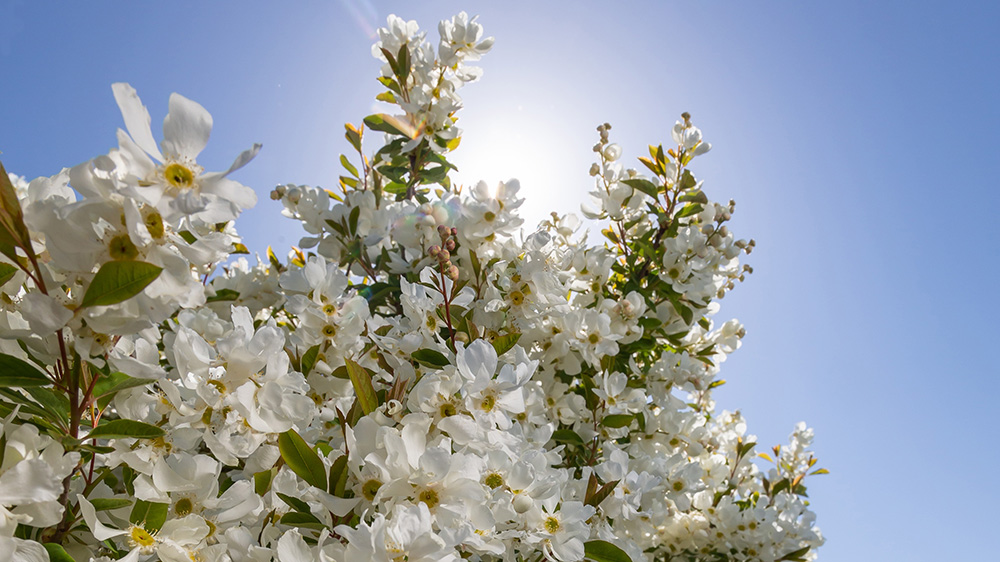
(99, 530)
(136, 118)
(186, 128)
(243, 159)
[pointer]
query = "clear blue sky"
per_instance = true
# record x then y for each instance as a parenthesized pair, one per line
(855, 136)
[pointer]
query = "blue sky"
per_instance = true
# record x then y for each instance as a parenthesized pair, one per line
(855, 136)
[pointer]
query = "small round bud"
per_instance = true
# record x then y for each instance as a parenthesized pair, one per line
(522, 503)
(442, 230)
(454, 231)
(443, 256)
(594, 170)
(453, 273)
(450, 244)
(433, 251)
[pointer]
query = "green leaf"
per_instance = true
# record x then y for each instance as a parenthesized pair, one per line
(302, 459)
(603, 551)
(348, 166)
(149, 514)
(126, 428)
(403, 64)
(362, 382)
(57, 553)
(7, 272)
(224, 295)
(643, 185)
(602, 494)
(567, 436)
(796, 554)
(309, 359)
(299, 519)
(338, 476)
(104, 504)
(617, 420)
(118, 281)
(430, 358)
(15, 373)
(690, 209)
(294, 503)
(687, 180)
(262, 481)
(109, 385)
(381, 122)
(503, 344)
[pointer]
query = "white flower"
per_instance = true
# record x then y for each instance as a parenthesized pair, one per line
(172, 181)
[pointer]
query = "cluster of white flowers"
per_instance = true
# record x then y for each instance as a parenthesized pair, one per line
(422, 380)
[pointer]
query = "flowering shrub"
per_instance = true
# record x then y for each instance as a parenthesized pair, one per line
(421, 381)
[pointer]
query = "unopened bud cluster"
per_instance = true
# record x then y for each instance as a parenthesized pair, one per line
(443, 252)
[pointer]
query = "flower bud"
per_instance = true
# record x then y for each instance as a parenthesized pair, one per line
(450, 244)
(453, 273)
(442, 231)
(522, 503)
(454, 231)
(443, 256)
(433, 251)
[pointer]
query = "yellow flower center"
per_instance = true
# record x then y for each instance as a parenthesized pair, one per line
(329, 331)
(178, 175)
(488, 403)
(493, 480)
(594, 338)
(140, 538)
(183, 507)
(517, 298)
(154, 224)
(552, 524)
(447, 409)
(121, 248)
(429, 497)
(370, 488)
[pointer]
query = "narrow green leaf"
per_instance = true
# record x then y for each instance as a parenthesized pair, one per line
(603, 551)
(643, 185)
(262, 481)
(602, 494)
(15, 373)
(302, 459)
(403, 64)
(795, 554)
(820, 471)
(690, 209)
(126, 428)
(338, 476)
(57, 553)
(294, 503)
(299, 519)
(150, 515)
(567, 436)
(348, 166)
(104, 504)
(223, 295)
(617, 420)
(503, 344)
(113, 383)
(309, 359)
(362, 382)
(430, 358)
(118, 281)
(379, 122)
(352, 220)
(7, 272)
